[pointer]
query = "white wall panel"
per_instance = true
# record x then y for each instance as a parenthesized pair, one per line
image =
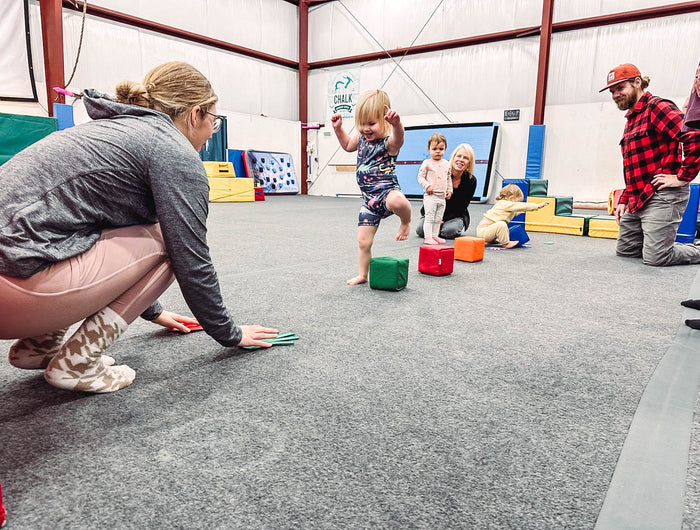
(572, 10)
(112, 52)
(580, 60)
(355, 26)
(584, 127)
(269, 26)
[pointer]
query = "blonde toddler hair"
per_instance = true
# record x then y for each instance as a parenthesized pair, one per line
(511, 192)
(370, 107)
(174, 88)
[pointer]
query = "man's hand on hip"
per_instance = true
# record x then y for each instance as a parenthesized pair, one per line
(662, 181)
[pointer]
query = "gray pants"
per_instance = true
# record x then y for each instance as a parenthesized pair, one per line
(449, 230)
(650, 233)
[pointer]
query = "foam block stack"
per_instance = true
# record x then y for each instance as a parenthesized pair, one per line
(224, 186)
(546, 220)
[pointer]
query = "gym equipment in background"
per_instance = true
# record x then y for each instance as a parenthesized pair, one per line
(273, 172)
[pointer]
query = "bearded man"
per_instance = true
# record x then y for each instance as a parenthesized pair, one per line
(659, 161)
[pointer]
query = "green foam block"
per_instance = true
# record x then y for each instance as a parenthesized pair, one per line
(388, 273)
(564, 206)
(537, 187)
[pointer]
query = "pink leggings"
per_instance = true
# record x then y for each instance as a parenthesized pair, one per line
(127, 269)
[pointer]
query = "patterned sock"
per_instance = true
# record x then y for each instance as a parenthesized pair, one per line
(693, 304)
(34, 353)
(79, 364)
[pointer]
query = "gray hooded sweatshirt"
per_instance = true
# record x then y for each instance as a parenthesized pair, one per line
(129, 166)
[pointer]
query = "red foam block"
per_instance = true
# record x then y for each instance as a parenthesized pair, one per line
(437, 260)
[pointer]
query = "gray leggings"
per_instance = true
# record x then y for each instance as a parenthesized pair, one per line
(127, 269)
(449, 230)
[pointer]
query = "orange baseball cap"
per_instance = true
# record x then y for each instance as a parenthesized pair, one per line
(623, 72)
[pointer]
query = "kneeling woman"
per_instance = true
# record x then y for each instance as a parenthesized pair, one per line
(97, 220)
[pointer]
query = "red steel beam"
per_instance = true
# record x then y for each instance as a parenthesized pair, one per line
(52, 37)
(304, 88)
(543, 63)
(142, 23)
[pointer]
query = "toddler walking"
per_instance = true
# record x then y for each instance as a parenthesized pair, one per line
(377, 142)
(434, 177)
(494, 226)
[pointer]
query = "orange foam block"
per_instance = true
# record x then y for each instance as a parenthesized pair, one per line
(468, 248)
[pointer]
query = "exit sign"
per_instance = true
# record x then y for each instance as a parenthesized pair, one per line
(511, 115)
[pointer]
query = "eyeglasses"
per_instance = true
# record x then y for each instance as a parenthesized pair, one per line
(218, 120)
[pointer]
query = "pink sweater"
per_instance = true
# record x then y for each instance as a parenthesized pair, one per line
(435, 173)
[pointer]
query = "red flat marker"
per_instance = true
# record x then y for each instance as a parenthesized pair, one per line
(192, 327)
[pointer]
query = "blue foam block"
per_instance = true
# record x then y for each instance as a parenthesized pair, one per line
(518, 233)
(688, 227)
(235, 156)
(64, 115)
(535, 150)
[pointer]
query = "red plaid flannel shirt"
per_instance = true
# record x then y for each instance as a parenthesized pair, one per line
(651, 145)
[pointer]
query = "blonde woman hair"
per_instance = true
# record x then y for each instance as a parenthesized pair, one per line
(437, 138)
(511, 192)
(174, 88)
(470, 151)
(370, 107)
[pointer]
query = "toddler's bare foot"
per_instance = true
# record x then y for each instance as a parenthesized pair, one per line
(402, 234)
(357, 280)
(511, 244)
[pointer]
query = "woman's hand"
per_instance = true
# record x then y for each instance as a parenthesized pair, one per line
(448, 195)
(169, 320)
(429, 190)
(253, 334)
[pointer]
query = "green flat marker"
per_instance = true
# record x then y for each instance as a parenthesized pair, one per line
(283, 339)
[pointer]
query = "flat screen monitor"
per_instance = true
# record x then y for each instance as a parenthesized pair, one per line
(481, 136)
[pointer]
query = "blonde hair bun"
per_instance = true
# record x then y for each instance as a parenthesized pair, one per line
(132, 93)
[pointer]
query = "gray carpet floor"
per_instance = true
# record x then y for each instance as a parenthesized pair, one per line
(499, 396)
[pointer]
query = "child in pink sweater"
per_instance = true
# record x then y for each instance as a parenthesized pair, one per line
(434, 177)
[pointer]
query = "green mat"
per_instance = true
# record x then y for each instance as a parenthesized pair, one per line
(18, 131)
